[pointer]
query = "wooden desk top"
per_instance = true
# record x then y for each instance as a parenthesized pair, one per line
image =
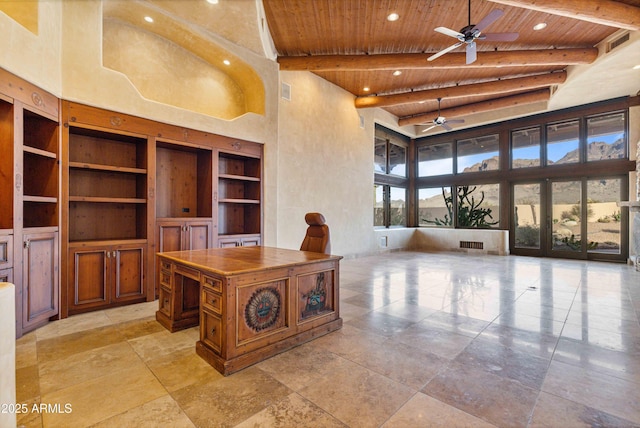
(238, 260)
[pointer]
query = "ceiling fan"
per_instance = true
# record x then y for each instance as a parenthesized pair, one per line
(441, 121)
(473, 32)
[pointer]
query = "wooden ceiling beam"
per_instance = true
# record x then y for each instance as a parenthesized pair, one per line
(495, 87)
(573, 56)
(481, 107)
(604, 12)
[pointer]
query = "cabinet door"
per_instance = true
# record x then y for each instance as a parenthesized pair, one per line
(6, 275)
(6, 251)
(170, 236)
(228, 242)
(89, 278)
(128, 273)
(40, 278)
(198, 235)
(250, 241)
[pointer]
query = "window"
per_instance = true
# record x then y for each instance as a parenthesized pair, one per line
(378, 206)
(563, 142)
(606, 137)
(478, 206)
(390, 178)
(525, 148)
(397, 206)
(478, 154)
(434, 207)
(390, 206)
(390, 153)
(435, 159)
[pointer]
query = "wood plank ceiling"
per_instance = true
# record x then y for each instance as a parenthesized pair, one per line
(352, 44)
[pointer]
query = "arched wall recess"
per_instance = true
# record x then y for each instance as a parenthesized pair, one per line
(175, 64)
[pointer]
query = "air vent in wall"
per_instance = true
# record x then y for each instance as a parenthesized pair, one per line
(617, 42)
(472, 245)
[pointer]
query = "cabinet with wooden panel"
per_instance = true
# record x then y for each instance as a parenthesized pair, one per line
(40, 294)
(29, 190)
(239, 198)
(6, 256)
(106, 275)
(106, 216)
(184, 194)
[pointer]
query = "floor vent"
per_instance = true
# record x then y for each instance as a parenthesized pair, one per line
(471, 244)
(617, 42)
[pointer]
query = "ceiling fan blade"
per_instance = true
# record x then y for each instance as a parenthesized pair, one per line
(429, 128)
(455, 121)
(488, 20)
(471, 52)
(499, 37)
(444, 51)
(445, 126)
(448, 32)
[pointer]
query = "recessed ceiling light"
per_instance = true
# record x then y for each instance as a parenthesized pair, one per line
(366, 89)
(148, 19)
(393, 17)
(540, 26)
(397, 73)
(226, 62)
(636, 67)
(212, 1)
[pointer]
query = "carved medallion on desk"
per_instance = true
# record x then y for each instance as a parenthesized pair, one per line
(262, 309)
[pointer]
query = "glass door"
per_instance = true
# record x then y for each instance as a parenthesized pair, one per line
(527, 231)
(570, 218)
(607, 224)
(565, 219)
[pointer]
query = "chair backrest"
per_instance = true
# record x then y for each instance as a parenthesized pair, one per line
(317, 237)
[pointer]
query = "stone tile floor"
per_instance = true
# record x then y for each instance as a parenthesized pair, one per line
(428, 340)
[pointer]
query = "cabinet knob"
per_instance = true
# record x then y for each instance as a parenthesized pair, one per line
(213, 301)
(27, 243)
(213, 330)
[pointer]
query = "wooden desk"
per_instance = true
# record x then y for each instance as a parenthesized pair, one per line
(251, 302)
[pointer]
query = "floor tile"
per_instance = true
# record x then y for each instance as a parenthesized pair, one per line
(552, 411)
(357, 396)
(423, 410)
(292, 411)
(493, 398)
(227, 401)
(618, 397)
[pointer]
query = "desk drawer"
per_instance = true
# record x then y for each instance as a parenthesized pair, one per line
(165, 265)
(211, 300)
(164, 299)
(165, 278)
(213, 283)
(211, 330)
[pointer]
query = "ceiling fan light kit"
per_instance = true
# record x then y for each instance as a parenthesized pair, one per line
(442, 121)
(472, 32)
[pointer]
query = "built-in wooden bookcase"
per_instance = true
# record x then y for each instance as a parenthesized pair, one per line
(107, 218)
(6, 165)
(184, 180)
(40, 170)
(239, 199)
(107, 186)
(6, 190)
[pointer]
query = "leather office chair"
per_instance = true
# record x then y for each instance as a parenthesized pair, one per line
(317, 237)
